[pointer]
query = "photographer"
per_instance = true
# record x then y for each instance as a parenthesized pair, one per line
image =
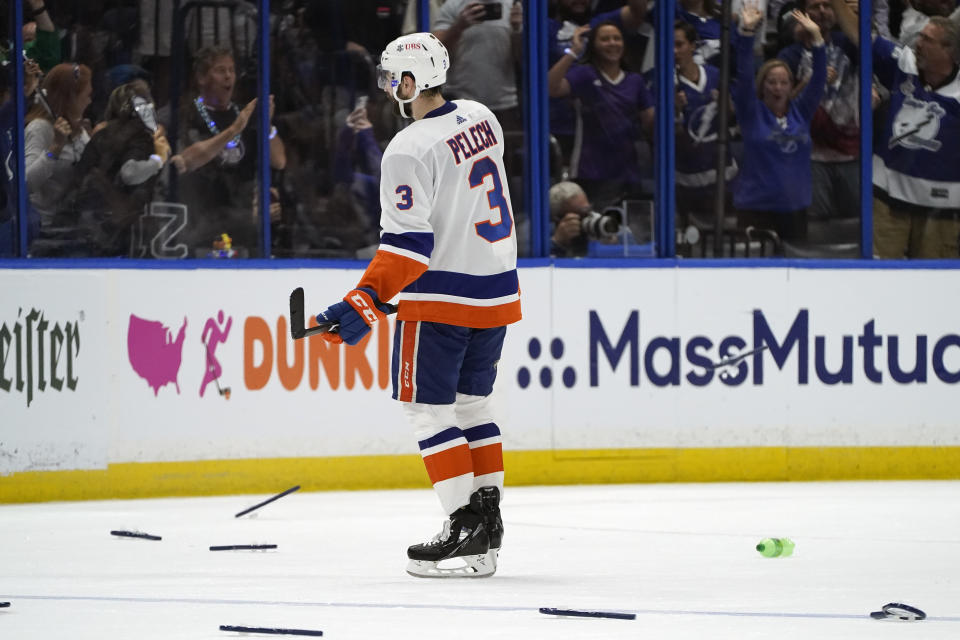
(575, 223)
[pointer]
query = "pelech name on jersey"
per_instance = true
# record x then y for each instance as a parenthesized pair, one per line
(469, 143)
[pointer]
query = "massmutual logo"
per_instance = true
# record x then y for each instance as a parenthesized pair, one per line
(39, 354)
(618, 350)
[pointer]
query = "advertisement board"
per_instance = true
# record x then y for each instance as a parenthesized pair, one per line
(101, 367)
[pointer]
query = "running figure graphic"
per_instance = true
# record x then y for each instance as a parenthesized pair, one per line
(211, 336)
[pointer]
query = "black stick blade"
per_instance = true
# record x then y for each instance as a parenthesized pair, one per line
(135, 534)
(4, 604)
(289, 632)
(588, 614)
(298, 320)
(267, 501)
(298, 327)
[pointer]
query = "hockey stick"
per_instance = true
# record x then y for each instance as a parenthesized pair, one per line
(298, 327)
(580, 613)
(732, 360)
(898, 611)
(135, 534)
(242, 547)
(290, 632)
(267, 501)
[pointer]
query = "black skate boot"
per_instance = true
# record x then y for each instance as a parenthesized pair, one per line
(490, 502)
(464, 536)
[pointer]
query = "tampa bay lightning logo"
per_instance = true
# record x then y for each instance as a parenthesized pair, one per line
(788, 143)
(917, 125)
(700, 126)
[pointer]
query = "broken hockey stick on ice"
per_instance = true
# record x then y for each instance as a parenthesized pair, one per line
(729, 361)
(288, 632)
(581, 613)
(135, 534)
(267, 501)
(898, 611)
(298, 325)
(243, 547)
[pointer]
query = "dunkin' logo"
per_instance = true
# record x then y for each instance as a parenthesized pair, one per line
(157, 353)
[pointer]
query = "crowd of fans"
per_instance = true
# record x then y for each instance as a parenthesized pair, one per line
(142, 132)
(791, 168)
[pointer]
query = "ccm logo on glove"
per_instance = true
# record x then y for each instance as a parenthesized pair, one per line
(359, 302)
(354, 316)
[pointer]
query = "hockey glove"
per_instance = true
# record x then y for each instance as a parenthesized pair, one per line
(356, 314)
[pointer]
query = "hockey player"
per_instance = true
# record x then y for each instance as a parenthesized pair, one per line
(448, 250)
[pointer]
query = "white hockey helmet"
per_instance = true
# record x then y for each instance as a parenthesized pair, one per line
(421, 55)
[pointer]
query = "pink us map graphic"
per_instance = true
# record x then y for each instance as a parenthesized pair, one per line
(153, 352)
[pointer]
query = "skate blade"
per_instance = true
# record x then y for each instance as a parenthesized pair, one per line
(476, 566)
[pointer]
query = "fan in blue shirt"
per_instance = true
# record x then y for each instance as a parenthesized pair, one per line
(773, 188)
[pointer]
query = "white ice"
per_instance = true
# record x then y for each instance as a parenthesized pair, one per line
(680, 556)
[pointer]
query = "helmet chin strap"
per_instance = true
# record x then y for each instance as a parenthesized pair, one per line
(402, 102)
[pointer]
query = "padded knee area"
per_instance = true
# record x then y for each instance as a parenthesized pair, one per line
(472, 410)
(429, 419)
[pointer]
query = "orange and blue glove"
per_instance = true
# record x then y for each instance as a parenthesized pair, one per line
(355, 316)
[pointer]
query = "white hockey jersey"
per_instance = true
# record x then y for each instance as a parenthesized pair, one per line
(448, 245)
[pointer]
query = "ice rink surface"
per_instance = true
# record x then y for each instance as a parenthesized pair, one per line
(680, 556)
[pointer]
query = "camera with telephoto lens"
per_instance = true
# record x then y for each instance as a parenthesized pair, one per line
(602, 226)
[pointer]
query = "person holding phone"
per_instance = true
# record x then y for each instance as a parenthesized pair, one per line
(119, 168)
(55, 136)
(485, 40)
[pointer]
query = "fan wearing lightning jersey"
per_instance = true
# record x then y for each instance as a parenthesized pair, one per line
(448, 251)
(697, 124)
(916, 162)
(773, 186)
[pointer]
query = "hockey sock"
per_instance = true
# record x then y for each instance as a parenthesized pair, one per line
(486, 451)
(449, 464)
(482, 433)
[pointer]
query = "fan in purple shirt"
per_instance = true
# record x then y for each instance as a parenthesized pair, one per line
(613, 107)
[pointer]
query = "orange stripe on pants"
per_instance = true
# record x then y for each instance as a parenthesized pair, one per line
(449, 463)
(408, 354)
(488, 459)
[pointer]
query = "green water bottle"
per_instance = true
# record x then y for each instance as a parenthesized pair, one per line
(775, 547)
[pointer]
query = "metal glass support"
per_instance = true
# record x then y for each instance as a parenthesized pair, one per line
(664, 151)
(866, 130)
(18, 129)
(263, 110)
(536, 123)
(423, 16)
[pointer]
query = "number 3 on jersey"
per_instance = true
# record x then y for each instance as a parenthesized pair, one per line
(491, 230)
(406, 197)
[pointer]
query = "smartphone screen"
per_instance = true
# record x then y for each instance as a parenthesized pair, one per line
(493, 11)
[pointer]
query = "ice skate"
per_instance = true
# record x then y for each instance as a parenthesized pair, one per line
(490, 504)
(462, 546)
